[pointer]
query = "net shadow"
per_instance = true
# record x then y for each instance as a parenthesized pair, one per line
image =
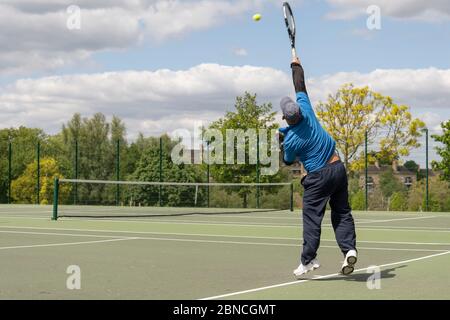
(158, 215)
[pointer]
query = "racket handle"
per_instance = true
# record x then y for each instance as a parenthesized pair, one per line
(294, 53)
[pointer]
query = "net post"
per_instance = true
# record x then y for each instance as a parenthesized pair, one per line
(257, 172)
(9, 171)
(427, 195)
(38, 159)
(366, 172)
(160, 170)
(55, 199)
(117, 171)
(207, 175)
(292, 197)
(75, 196)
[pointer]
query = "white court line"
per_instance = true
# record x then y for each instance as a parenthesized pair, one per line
(358, 221)
(62, 234)
(235, 242)
(64, 244)
(280, 244)
(213, 235)
(401, 219)
(320, 277)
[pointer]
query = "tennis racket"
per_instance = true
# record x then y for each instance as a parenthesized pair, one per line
(290, 25)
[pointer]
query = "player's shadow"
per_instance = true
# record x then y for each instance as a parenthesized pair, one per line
(363, 276)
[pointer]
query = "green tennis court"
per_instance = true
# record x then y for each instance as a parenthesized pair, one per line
(195, 253)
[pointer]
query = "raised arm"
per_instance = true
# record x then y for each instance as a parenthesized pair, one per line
(298, 76)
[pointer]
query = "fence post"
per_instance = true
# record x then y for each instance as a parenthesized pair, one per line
(55, 198)
(160, 169)
(366, 173)
(117, 171)
(292, 196)
(207, 174)
(427, 195)
(257, 171)
(9, 172)
(38, 182)
(75, 196)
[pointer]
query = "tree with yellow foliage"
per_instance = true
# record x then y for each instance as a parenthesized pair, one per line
(352, 112)
(24, 187)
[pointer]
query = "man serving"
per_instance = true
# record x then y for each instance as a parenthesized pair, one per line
(305, 139)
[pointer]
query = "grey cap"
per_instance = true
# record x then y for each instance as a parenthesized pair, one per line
(290, 109)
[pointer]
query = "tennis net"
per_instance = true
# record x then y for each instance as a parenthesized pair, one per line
(106, 199)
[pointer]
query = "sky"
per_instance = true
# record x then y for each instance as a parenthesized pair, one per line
(163, 65)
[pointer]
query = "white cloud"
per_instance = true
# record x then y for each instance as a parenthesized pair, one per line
(420, 88)
(431, 10)
(152, 102)
(433, 120)
(38, 28)
(163, 100)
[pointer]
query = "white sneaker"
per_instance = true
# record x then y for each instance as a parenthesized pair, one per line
(316, 263)
(302, 269)
(349, 262)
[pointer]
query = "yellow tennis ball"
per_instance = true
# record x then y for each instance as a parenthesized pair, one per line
(257, 17)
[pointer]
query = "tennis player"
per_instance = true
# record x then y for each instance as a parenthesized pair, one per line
(326, 181)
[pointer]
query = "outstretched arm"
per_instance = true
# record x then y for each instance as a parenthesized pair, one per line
(298, 76)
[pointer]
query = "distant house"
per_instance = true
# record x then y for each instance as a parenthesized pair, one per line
(405, 176)
(297, 169)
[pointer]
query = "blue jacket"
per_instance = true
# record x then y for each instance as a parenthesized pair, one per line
(307, 140)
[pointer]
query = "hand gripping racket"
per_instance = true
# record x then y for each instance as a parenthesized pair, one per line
(290, 25)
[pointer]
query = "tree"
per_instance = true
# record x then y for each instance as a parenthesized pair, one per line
(389, 184)
(352, 112)
(24, 187)
(439, 199)
(96, 153)
(118, 134)
(411, 165)
(414, 167)
(248, 114)
(358, 201)
(24, 141)
(398, 202)
(444, 151)
(148, 170)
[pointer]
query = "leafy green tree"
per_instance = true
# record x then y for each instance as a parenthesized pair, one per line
(248, 114)
(411, 165)
(24, 187)
(414, 167)
(24, 141)
(358, 201)
(389, 184)
(444, 151)
(439, 196)
(398, 202)
(352, 112)
(97, 153)
(148, 170)
(118, 134)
